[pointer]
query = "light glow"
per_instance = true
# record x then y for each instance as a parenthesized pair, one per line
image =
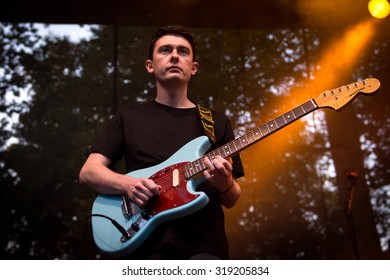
(334, 67)
(379, 8)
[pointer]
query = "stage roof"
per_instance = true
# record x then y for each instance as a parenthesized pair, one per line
(191, 13)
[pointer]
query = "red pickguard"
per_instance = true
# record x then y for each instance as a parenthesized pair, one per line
(170, 196)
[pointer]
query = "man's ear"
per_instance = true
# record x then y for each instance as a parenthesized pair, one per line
(149, 66)
(195, 67)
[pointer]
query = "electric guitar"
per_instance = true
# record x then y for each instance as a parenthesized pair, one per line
(120, 226)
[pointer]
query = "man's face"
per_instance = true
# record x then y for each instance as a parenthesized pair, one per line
(172, 60)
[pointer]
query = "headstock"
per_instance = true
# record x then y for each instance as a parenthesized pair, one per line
(338, 97)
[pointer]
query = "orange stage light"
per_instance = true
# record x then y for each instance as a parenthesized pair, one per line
(379, 8)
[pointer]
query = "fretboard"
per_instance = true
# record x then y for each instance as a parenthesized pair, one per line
(250, 138)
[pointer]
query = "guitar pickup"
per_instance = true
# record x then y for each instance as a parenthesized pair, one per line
(175, 178)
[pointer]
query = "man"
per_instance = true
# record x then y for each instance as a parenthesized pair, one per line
(148, 134)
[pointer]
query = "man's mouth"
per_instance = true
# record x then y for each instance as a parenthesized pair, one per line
(174, 69)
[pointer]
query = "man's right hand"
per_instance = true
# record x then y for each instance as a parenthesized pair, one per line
(140, 190)
(96, 175)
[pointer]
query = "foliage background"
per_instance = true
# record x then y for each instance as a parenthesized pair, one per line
(295, 189)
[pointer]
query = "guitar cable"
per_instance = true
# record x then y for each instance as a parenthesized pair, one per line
(114, 222)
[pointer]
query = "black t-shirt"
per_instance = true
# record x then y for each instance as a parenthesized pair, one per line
(147, 135)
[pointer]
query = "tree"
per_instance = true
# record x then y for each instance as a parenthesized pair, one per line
(292, 206)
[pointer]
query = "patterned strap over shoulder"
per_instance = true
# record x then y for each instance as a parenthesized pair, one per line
(207, 122)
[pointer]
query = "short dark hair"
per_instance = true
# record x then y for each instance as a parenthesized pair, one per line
(176, 30)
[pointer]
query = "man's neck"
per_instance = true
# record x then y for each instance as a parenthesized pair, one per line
(173, 97)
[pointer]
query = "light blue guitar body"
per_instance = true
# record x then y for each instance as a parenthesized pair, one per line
(140, 225)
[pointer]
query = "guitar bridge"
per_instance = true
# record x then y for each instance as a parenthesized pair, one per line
(129, 208)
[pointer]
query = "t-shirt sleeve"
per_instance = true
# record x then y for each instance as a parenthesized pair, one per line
(110, 142)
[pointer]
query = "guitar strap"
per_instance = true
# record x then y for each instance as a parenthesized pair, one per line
(207, 122)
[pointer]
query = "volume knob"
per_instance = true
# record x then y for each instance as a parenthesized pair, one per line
(145, 215)
(135, 226)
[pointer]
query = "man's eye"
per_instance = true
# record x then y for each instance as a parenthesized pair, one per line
(165, 51)
(184, 51)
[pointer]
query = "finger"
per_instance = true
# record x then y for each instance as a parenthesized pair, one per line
(143, 191)
(208, 164)
(151, 188)
(222, 165)
(208, 175)
(228, 166)
(140, 199)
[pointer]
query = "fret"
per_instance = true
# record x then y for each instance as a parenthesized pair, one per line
(193, 168)
(189, 170)
(238, 143)
(303, 108)
(202, 165)
(292, 112)
(259, 133)
(227, 149)
(309, 106)
(251, 136)
(298, 112)
(264, 130)
(243, 141)
(221, 152)
(246, 140)
(235, 147)
(198, 166)
(289, 117)
(230, 147)
(280, 121)
(254, 135)
(272, 126)
(284, 119)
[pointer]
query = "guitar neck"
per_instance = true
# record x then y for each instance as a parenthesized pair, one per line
(240, 143)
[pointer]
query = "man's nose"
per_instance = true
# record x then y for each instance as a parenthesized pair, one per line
(174, 55)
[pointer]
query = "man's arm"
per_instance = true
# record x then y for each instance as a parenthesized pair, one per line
(96, 175)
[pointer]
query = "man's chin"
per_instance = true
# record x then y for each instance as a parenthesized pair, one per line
(172, 79)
